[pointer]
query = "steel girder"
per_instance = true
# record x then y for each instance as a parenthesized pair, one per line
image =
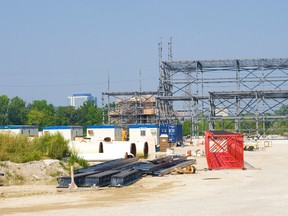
(255, 106)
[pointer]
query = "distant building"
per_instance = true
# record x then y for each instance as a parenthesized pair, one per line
(78, 100)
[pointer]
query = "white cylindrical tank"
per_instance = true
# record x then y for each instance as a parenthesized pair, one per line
(102, 150)
(84, 147)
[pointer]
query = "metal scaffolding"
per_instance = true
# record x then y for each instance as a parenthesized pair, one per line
(260, 107)
(126, 108)
(212, 90)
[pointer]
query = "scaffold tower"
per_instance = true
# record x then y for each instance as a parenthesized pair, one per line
(128, 108)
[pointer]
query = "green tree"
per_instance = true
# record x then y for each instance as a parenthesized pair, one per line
(89, 114)
(4, 104)
(224, 124)
(203, 124)
(42, 105)
(17, 111)
(36, 117)
(65, 115)
(283, 110)
(186, 128)
(40, 113)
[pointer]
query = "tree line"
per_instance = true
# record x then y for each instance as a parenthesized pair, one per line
(16, 111)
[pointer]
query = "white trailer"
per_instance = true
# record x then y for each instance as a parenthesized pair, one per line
(68, 132)
(144, 133)
(100, 132)
(27, 130)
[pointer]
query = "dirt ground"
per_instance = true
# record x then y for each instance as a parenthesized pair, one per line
(259, 191)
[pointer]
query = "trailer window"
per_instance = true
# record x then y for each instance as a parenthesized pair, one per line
(91, 132)
(142, 133)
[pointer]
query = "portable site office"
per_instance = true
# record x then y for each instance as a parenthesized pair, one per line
(100, 132)
(68, 132)
(28, 130)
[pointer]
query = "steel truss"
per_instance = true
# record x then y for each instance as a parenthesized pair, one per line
(260, 107)
(246, 87)
(136, 107)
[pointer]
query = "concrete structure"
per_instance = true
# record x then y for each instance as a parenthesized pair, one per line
(77, 100)
(68, 132)
(29, 130)
(99, 132)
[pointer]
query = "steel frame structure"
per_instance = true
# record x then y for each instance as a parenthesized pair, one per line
(243, 88)
(256, 106)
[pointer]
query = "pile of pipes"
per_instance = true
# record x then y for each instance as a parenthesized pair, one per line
(109, 150)
(123, 171)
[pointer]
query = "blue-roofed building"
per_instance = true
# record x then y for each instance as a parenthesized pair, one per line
(28, 130)
(68, 132)
(144, 132)
(100, 132)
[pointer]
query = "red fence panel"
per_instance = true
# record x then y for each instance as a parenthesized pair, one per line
(224, 150)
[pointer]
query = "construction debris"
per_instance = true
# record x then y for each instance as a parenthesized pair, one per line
(186, 170)
(1, 174)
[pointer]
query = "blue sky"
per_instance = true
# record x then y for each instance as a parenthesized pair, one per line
(52, 49)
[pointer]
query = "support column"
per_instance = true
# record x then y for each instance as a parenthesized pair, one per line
(212, 113)
(257, 115)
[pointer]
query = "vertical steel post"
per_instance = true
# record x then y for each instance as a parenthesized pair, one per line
(257, 115)
(103, 110)
(263, 118)
(237, 101)
(212, 113)
(202, 102)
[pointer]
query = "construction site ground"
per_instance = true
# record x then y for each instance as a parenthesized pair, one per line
(261, 190)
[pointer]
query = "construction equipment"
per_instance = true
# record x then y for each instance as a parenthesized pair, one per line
(251, 145)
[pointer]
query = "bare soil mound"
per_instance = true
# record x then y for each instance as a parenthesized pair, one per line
(26, 173)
